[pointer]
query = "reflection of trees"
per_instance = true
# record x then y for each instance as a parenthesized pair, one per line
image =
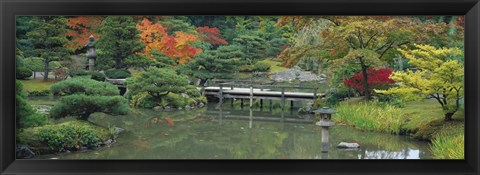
(206, 137)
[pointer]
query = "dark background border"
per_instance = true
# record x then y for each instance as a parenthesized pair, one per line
(10, 8)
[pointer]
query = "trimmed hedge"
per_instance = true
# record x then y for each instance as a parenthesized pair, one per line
(23, 73)
(118, 74)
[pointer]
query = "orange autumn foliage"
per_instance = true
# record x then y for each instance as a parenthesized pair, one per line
(210, 35)
(81, 28)
(169, 121)
(177, 47)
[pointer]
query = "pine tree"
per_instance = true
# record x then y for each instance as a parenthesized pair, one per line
(49, 40)
(119, 40)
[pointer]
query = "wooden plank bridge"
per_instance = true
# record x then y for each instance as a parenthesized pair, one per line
(245, 89)
(241, 89)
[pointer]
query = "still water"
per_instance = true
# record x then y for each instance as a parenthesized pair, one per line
(234, 133)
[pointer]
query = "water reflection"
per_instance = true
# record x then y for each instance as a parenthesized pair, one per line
(229, 133)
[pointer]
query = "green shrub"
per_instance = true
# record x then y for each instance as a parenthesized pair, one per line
(334, 98)
(77, 72)
(261, 67)
(80, 105)
(81, 85)
(35, 93)
(26, 116)
(34, 120)
(176, 100)
(69, 137)
(192, 91)
(118, 74)
(23, 73)
(97, 76)
(147, 102)
(391, 100)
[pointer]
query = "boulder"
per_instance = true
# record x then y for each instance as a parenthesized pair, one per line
(348, 145)
(201, 105)
(42, 109)
(118, 130)
(305, 110)
(168, 108)
(184, 95)
(24, 152)
(158, 108)
(187, 107)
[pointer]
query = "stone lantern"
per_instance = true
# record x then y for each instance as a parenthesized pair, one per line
(325, 122)
(91, 53)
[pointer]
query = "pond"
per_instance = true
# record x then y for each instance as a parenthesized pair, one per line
(234, 133)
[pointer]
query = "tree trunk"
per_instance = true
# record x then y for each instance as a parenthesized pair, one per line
(366, 90)
(448, 116)
(45, 76)
(118, 63)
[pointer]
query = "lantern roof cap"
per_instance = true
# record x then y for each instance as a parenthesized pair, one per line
(325, 110)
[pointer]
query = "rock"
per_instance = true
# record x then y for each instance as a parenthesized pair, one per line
(260, 74)
(184, 95)
(348, 145)
(118, 130)
(187, 107)
(296, 73)
(180, 108)
(158, 108)
(201, 105)
(43, 109)
(305, 110)
(24, 152)
(168, 108)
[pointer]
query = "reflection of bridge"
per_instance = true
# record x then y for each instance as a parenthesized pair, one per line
(260, 90)
(226, 115)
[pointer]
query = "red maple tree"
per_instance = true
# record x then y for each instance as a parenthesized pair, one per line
(210, 35)
(377, 79)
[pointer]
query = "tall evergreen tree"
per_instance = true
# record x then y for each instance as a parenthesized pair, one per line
(119, 41)
(49, 40)
(220, 63)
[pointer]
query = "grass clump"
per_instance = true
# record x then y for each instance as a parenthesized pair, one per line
(370, 116)
(449, 143)
(37, 87)
(275, 66)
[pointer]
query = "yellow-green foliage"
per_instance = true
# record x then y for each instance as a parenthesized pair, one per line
(437, 76)
(275, 65)
(449, 143)
(370, 116)
(30, 86)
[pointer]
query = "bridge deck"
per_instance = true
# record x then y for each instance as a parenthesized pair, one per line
(259, 93)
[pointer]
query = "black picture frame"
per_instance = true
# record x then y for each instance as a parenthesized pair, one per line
(10, 8)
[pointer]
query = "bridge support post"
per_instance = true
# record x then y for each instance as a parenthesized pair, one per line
(221, 94)
(251, 96)
(271, 105)
(291, 104)
(241, 103)
(283, 98)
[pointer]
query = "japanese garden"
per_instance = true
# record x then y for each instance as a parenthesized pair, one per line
(240, 87)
